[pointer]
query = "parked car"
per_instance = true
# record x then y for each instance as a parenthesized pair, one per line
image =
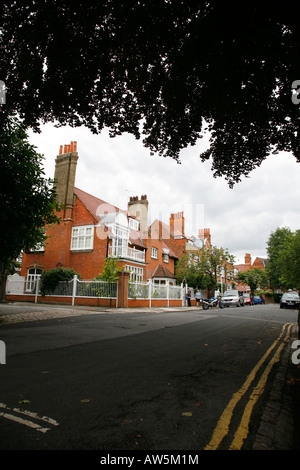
(290, 300)
(257, 300)
(247, 299)
(232, 297)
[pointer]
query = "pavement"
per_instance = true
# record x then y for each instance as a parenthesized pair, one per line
(279, 427)
(280, 423)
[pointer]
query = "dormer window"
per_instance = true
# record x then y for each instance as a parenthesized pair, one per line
(133, 223)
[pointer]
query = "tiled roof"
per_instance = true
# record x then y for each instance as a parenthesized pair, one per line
(136, 238)
(162, 271)
(93, 204)
(171, 252)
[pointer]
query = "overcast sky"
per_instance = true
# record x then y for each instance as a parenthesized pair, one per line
(240, 219)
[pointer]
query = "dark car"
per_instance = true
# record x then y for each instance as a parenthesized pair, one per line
(290, 300)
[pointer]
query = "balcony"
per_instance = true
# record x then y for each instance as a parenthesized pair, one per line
(127, 253)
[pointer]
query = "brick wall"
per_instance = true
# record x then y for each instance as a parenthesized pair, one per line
(57, 250)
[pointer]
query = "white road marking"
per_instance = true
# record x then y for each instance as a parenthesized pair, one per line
(26, 422)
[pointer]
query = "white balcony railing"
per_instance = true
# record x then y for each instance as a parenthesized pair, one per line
(127, 253)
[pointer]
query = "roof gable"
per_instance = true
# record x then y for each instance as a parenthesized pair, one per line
(162, 271)
(95, 205)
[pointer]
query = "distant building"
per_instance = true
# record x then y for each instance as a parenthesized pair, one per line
(260, 263)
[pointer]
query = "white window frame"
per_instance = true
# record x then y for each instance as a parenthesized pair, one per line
(32, 275)
(134, 224)
(154, 252)
(136, 273)
(82, 238)
(120, 241)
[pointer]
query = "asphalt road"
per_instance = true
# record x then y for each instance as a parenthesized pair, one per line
(162, 380)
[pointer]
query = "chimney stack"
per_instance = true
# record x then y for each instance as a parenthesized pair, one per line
(177, 224)
(64, 177)
(204, 234)
(139, 208)
(248, 260)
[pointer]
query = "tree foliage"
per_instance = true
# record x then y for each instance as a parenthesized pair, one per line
(27, 199)
(289, 261)
(255, 278)
(188, 271)
(275, 244)
(110, 270)
(214, 263)
(205, 269)
(167, 70)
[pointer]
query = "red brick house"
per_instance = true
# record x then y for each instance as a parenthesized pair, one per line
(260, 263)
(92, 230)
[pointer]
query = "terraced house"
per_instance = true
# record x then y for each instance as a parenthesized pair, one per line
(92, 230)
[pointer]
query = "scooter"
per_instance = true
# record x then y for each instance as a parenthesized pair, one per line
(211, 303)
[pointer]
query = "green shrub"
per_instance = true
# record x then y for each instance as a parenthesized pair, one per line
(110, 270)
(50, 279)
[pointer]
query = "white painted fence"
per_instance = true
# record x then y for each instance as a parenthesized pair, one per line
(17, 285)
(149, 290)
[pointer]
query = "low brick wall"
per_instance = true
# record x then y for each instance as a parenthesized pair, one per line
(94, 301)
(53, 299)
(269, 299)
(132, 303)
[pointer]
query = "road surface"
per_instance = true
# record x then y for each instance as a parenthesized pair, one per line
(162, 380)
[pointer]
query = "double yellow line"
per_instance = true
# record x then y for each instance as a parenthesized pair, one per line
(241, 433)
